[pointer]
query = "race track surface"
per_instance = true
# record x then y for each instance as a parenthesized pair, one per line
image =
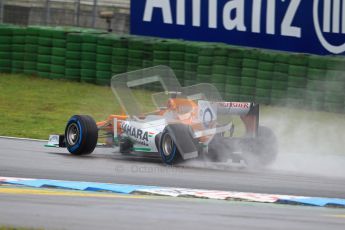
(52, 212)
(29, 159)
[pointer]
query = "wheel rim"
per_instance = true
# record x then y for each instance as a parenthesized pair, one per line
(168, 145)
(72, 134)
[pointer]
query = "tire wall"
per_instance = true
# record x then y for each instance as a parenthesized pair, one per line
(240, 73)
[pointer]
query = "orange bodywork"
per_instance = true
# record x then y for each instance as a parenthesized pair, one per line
(108, 125)
(185, 110)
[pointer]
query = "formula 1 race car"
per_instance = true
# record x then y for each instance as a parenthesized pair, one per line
(174, 122)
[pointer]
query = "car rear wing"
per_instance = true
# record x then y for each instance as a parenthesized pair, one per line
(248, 112)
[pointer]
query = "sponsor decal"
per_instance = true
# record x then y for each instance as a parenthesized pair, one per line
(311, 26)
(239, 108)
(240, 105)
(207, 118)
(207, 113)
(333, 16)
(140, 136)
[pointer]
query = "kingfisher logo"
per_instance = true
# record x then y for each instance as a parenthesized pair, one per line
(333, 21)
(309, 26)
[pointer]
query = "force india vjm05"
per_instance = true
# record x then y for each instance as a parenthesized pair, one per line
(176, 123)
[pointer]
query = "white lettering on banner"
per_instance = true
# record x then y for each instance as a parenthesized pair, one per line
(287, 28)
(237, 22)
(196, 13)
(181, 12)
(256, 17)
(164, 5)
(343, 14)
(271, 17)
(233, 16)
(212, 14)
(336, 16)
(327, 15)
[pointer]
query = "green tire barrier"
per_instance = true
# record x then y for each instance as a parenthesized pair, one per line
(30, 57)
(233, 89)
(118, 60)
(72, 73)
(236, 81)
(103, 77)
(56, 60)
(88, 75)
(264, 84)
(281, 67)
(266, 66)
(46, 59)
(240, 74)
(72, 63)
(249, 72)
(249, 63)
(102, 58)
(203, 69)
(191, 57)
(88, 56)
(190, 76)
(89, 47)
(57, 69)
(233, 71)
(106, 67)
(72, 55)
(247, 81)
(59, 43)
(318, 62)
(31, 47)
(59, 52)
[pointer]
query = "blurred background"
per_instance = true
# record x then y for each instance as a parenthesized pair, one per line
(80, 13)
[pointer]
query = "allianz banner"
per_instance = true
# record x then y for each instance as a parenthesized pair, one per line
(307, 26)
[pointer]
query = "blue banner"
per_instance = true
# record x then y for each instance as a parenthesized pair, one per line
(305, 26)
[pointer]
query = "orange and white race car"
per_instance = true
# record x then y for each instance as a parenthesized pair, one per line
(176, 123)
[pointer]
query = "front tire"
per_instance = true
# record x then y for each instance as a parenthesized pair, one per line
(81, 135)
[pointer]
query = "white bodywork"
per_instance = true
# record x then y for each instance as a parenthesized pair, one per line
(143, 133)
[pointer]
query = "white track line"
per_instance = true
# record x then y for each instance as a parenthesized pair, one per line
(22, 139)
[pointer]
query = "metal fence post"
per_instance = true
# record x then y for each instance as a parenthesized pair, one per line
(94, 13)
(47, 8)
(1, 11)
(77, 12)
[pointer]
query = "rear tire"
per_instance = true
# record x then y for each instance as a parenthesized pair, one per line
(168, 149)
(218, 149)
(81, 135)
(263, 150)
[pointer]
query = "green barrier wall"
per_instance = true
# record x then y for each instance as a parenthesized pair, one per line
(240, 74)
